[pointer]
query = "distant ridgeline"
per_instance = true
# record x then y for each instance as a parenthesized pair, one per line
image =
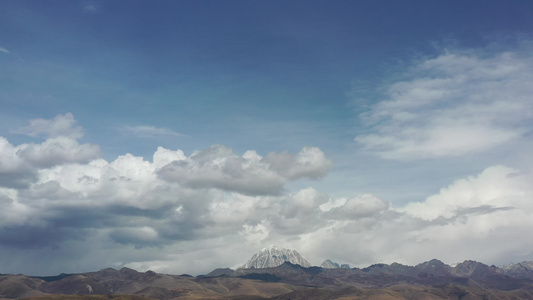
(284, 274)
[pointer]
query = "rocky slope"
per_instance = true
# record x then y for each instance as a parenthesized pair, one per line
(273, 257)
(428, 280)
(520, 270)
(328, 264)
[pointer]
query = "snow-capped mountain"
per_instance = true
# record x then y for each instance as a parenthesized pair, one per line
(520, 270)
(523, 265)
(328, 264)
(273, 257)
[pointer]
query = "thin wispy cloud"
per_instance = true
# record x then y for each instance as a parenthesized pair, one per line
(90, 7)
(2, 49)
(147, 131)
(454, 104)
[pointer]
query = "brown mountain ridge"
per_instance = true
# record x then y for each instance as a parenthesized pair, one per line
(428, 280)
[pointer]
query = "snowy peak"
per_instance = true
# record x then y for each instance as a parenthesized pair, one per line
(520, 270)
(328, 264)
(527, 265)
(273, 257)
(470, 268)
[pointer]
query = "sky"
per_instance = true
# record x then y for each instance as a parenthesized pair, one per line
(184, 136)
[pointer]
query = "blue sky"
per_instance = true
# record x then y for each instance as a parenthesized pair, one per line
(361, 124)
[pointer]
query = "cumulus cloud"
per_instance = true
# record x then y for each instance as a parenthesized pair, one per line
(454, 104)
(127, 206)
(261, 217)
(63, 195)
(304, 203)
(14, 171)
(252, 174)
(61, 125)
(496, 187)
(19, 165)
(255, 234)
(310, 162)
(488, 212)
(483, 217)
(213, 208)
(56, 151)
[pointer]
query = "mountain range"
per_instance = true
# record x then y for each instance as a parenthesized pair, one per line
(428, 280)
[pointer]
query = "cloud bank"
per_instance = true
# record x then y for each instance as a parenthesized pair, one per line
(60, 192)
(65, 209)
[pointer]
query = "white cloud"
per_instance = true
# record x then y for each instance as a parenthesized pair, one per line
(304, 202)
(310, 162)
(58, 150)
(13, 212)
(163, 157)
(70, 187)
(19, 164)
(255, 234)
(218, 167)
(131, 202)
(2, 49)
(496, 187)
(215, 208)
(357, 207)
(125, 206)
(454, 104)
(15, 172)
(61, 125)
(484, 217)
(9, 160)
(149, 131)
